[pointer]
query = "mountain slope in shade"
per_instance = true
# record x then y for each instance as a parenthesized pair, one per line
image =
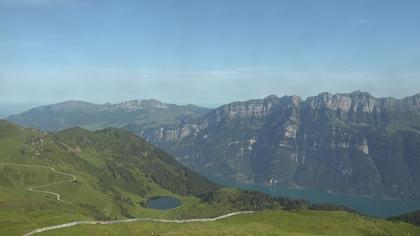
(347, 143)
(69, 114)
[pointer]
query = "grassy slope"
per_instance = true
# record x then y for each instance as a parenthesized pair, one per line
(84, 154)
(22, 211)
(264, 223)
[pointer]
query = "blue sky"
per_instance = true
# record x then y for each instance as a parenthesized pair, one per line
(204, 52)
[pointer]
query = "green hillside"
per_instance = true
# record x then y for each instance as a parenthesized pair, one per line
(349, 143)
(302, 223)
(115, 172)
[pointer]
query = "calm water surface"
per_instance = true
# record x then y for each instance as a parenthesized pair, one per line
(371, 206)
(163, 203)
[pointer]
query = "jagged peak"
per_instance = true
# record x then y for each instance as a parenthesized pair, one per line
(412, 102)
(325, 94)
(417, 95)
(271, 97)
(294, 99)
(353, 94)
(359, 93)
(253, 107)
(344, 101)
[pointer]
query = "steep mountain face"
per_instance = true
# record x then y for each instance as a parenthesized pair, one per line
(348, 143)
(146, 113)
(55, 178)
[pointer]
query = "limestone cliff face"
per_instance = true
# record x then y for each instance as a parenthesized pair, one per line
(348, 143)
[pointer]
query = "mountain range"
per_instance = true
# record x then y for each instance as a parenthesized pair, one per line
(110, 175)
(350, 143)
(69, 114)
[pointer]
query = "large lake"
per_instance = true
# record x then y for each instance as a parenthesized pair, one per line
(163, 203)
(371, 206)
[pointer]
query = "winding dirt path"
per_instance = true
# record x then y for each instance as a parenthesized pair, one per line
(34, 188)
(88, 222)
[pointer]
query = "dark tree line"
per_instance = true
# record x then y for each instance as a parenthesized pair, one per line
(412, 218)
(253, 200)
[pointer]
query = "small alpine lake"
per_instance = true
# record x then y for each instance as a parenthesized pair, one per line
(163, 202)
(371, 206)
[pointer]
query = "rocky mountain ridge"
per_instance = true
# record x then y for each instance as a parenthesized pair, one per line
(346, 143)
(349, 143)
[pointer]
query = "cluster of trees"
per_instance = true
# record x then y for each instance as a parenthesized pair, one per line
(131, 154)
(329, 207)
(252, 200)
(114, 175)
(119, 200)
(412, 218)
(178, 181)
(177, 178)
(240, 200)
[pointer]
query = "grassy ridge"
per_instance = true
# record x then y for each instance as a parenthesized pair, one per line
(264, 223)
(116, 173)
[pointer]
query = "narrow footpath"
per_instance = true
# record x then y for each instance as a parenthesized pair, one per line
(34, 188)
(94, 222)
(88, 222)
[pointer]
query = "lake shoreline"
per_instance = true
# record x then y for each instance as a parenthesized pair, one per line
(368, 205)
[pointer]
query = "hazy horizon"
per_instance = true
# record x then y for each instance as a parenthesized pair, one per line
(206, 53)
(13, 109)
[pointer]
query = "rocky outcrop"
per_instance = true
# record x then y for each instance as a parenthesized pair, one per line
(348, 143)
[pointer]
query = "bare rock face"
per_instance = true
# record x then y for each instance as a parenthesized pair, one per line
(412, 103)
(349, 143)
(252, 108)
(364, 147)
